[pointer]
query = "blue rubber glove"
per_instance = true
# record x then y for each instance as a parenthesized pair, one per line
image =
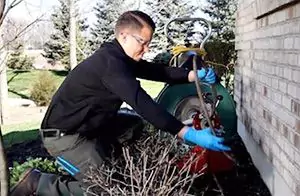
(205, 139)
(207, 76)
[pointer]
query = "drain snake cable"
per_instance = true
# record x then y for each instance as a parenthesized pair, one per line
(177, 50)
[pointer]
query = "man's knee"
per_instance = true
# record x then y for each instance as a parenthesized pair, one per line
(130, 125)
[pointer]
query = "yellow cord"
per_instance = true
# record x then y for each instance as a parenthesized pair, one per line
(216, 64)
(177, 50)
(180, 49)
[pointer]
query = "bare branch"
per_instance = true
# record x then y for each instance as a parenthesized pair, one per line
(2, 62)
(12, 5)
(81, 51)
(148, 167)
(77, 47)
(20, 33)
(2, 7)
(218, 184)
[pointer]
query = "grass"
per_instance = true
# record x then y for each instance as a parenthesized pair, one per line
(17, 137)
(20, 84)
(29, 125)
(152, 88)
(16, 133)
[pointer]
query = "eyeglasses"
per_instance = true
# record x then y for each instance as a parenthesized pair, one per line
(140, 40)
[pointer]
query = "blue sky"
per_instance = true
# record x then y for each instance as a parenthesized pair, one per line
(30, 9)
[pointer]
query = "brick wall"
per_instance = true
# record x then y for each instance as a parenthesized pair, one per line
(267, 83)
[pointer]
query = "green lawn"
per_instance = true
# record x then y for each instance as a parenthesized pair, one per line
(20, 84)
(29, 125)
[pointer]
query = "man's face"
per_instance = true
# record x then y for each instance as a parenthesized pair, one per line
(137, 42)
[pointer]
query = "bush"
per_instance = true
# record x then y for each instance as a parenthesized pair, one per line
(19, 61)
(44, 165)
(148, 166)
(43, 89)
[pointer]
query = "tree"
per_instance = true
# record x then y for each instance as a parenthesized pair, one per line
(161, 12)
(4, 10)
(72, 37)
(221, 47)
(18, 60)
(34, 38)
(58, 48)
(10, 28)
(3, 162)
(106, 12)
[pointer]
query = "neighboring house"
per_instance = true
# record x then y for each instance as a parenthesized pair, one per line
(267, 89)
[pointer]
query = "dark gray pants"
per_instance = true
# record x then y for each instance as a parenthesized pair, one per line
(84, 153)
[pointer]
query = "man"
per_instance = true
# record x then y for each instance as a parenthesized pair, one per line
(82, 125)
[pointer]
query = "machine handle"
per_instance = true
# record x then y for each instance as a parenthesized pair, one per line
(166, 29)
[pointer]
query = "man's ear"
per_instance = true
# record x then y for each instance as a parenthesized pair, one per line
(123, 36)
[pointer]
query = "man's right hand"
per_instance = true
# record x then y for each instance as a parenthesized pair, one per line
(203, 138)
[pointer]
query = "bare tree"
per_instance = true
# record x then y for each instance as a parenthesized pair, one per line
(73, 58)
(4, 53)
(35, 36)
(3, 163)
(4, 10)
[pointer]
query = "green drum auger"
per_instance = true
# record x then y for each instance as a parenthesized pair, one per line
(182, 101)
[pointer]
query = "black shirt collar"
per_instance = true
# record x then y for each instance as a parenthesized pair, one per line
(120, 51)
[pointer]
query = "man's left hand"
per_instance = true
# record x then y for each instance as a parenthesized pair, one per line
(207, 75)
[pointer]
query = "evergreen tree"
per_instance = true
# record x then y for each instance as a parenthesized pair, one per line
(107, 13)
(161, 12)
(57, 48)
(18, 60)
(222, 14)
(221, 46)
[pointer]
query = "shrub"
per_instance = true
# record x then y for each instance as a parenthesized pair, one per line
(43, 89)
(146, 167)
(44, 165)
(17, 60)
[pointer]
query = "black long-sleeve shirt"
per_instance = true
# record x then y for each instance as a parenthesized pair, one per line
(93, 92)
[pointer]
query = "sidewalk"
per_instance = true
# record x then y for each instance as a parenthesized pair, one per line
(21, 114)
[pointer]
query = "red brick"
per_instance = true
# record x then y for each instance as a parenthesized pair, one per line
(265, 91)
(290, 12)
(269, 118)
(298, 125)
(285, 132)
(295, 107)
(264, 114)
(277, 123)
(297, 141)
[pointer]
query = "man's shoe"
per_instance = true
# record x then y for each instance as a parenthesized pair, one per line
(28, 183)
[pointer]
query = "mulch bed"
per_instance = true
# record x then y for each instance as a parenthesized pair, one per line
(20, 152)
(243, 180)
